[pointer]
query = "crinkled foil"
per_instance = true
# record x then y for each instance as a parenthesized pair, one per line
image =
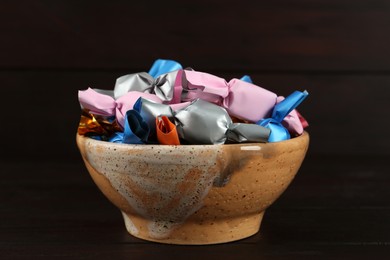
(91, 124)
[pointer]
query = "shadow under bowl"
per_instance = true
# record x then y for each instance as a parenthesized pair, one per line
(193, 194)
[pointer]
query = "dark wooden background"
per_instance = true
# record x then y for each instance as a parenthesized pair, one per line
(337, 50)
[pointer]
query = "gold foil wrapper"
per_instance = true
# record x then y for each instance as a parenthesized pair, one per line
(97, 125)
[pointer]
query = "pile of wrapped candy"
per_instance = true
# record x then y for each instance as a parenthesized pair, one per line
(171, 105)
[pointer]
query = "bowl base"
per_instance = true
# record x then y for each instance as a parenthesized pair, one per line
(196, 232)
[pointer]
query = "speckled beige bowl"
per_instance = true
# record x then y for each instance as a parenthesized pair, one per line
(193, 194)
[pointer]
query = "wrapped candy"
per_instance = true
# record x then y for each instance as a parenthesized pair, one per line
(162, 86)
(149, 111)
(292, 121)
(157, 85)
(206, 123)
(97, 125)
(136, 130)
(105, 105)
(247, 78)
(280, 111)
(166, 131)
(201, 122)
(159, 80)
(246, 133)
(169, 105)
(241, 99)
(161, 66)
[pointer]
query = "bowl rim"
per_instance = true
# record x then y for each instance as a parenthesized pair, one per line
(80, 138)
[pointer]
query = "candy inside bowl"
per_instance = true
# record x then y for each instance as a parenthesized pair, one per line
(193, 194)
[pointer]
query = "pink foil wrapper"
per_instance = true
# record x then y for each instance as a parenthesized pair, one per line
(241, 99)
(101, 104)
(291, 121)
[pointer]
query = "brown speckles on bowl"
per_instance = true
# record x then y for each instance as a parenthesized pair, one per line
(195, 194)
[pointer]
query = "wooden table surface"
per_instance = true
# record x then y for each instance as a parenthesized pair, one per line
(334, 207)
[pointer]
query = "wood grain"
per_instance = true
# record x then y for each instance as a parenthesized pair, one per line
(235, 35)
(54, 210)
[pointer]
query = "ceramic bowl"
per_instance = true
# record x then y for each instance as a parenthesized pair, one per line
(193, 194)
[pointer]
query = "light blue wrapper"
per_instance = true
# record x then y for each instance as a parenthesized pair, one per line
(280, 111)
(136, 130)
(161, 66)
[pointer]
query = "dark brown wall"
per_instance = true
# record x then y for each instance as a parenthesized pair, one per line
(337, 50)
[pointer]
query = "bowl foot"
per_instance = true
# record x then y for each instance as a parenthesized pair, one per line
(195, 232)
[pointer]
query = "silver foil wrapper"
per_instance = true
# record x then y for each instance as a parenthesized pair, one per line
(247, 133)
(149, 111)
(162, 86)
(202, 123)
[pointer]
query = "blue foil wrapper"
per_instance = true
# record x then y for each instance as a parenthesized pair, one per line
(280, 111)
(247, 78)
(161, 66)
(136, 130)
(149, 111)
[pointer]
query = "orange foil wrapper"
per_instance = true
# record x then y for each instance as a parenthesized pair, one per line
(166, 131)
(95, 124)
